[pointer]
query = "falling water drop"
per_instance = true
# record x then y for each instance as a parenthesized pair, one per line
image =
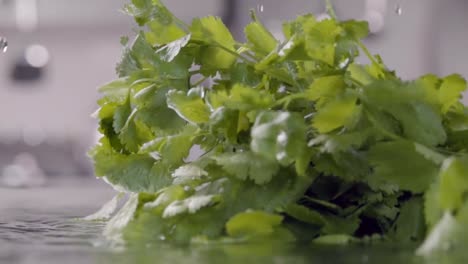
(260, 8)
(3, 44)
(398, 10)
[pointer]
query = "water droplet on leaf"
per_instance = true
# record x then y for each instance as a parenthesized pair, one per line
(281, 155)
(344, 63)
(282, 89)
(282, 138)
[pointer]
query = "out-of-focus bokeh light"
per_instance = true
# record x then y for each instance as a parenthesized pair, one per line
(37, 55)
(376, 21)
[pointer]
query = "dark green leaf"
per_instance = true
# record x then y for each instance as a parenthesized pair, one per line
(399, 163)
(410, 225)
(247, 164)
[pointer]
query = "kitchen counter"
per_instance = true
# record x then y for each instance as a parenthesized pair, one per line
(41, 225)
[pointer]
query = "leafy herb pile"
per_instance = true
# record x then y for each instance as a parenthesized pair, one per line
(298, 140)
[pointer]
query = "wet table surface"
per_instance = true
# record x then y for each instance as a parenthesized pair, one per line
(40, 225)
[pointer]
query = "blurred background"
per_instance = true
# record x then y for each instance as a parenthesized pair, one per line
(60, 51)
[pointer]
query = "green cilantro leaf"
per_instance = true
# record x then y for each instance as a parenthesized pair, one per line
(453, 183)
(399, 163)
(260, 39)
(335, 114)
(320, 40)
(190, 108)
(247, 164)
(278, 138)
(253, 223)
(132, 173)
(450, 91)
(218, 44)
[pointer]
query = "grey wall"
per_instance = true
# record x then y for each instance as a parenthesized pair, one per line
(60, 103)
(83, 41)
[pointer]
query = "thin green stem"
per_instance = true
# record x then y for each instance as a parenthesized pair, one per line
(285, 101)
(331, 9)
(380, 128)
(367, 52)
(294, 79)
(200, 81)
(195, 72)
(217, 45)
(144, 80)
(369, 55)
(243, 49)
(250, 56)
(323, 203)
(253, 15)
(233, 53)
(357, 83)
(182, 23)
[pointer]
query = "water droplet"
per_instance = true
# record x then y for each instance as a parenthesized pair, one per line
(323, 16)
(282, 138)
(260, 8)
(3, 44)
(281, 156)
(399, 10)
(309, 116)
(162, 238)
(282, 89)
(344, 63)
